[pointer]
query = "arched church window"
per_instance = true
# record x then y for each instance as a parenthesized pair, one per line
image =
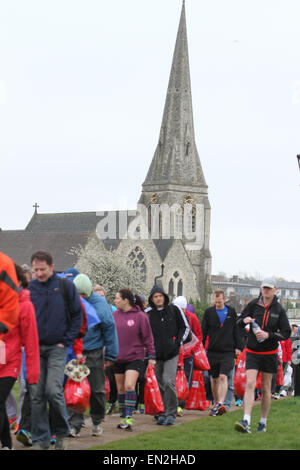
(180, 287)
(175, 287)
(171, 287)
(138, 261)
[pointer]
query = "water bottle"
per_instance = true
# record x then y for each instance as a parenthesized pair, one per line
(255, 328)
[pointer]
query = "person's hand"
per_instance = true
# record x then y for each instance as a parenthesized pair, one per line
(247, 320)
(237, 352)
(261, 335)
(60, 345)
(80, 359)
(152, 362)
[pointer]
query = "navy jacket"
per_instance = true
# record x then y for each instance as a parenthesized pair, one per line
(52, 322)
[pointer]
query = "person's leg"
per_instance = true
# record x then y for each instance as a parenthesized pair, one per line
(6, 385)
(131, 377)
(11, 406)
(120, 383)
(170, 392)
(249, 392)
(55, 392)
(230, 389)
(159, 369)
(96, 378)
(39, 415)
(266, 380)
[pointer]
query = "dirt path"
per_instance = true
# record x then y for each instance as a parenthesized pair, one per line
(142, 424)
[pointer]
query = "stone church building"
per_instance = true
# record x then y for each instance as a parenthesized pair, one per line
(171, 246)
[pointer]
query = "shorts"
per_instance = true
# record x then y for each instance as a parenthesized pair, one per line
(122, 367)
(220, 364)
(262, 362)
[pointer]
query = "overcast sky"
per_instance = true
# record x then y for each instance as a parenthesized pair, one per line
(82, 91)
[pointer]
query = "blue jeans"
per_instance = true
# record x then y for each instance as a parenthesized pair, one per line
(49, 389)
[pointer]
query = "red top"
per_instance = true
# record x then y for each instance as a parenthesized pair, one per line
(23, 334)
(9, 306)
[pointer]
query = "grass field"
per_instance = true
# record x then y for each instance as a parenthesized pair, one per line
(218, 433)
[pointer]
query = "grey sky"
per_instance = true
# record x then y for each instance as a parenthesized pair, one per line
(82, 90)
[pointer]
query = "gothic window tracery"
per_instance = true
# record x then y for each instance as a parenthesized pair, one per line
(138, 261)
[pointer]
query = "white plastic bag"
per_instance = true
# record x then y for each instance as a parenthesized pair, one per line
(287, 379)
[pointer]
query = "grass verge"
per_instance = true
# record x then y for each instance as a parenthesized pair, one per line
(218, 433)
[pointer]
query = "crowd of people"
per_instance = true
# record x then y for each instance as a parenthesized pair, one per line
(48, 318)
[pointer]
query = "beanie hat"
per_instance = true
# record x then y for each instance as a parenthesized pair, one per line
(180, 302)
(83, 284)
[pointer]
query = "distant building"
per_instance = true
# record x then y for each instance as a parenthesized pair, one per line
(240, 291)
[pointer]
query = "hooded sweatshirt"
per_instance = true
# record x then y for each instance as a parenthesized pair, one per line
(168, 326)
(135, 335)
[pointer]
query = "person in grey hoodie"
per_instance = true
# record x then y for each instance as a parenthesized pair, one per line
(169, 331)
(100, 347)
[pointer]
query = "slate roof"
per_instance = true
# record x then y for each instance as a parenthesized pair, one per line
(21, 244)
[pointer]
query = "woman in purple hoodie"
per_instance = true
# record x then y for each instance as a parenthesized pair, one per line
(135, 343)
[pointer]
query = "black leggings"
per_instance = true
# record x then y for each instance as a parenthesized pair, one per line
(6, 384)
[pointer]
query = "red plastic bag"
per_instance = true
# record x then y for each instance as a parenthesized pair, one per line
(200, 357)
(279, 375)
(180, 358)
(258, 381)
(181, 385)
(240, 376)
(197, 396)
(152, 397)
(77, 395)
(107, 388)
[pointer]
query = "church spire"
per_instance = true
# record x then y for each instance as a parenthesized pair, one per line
(176, 160)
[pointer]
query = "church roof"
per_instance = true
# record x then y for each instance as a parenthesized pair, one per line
(176, 160)
(21, 244)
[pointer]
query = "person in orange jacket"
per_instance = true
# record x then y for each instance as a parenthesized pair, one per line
(9, 299)
(24, 334)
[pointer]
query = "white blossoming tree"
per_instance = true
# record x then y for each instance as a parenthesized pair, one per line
(108, 269)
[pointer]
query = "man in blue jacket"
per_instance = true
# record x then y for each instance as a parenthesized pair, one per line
(58, 327)
(100, 347)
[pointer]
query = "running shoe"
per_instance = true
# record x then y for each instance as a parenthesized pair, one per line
(24, 437)
(261, 427)
(243, 426)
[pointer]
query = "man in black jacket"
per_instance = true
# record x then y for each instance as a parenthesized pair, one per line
(169, 330)
(219, 324)
(262, 348)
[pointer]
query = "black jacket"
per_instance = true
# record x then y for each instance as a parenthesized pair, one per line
(274, 320)
(168, 327)
(222, 339)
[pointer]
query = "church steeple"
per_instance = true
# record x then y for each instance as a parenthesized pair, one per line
(176, 161)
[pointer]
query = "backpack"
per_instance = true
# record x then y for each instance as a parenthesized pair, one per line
(63, 288)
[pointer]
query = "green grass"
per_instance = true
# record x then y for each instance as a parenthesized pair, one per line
(218, 433)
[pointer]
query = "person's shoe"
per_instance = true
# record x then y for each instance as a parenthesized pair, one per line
(243, 426)
(276, 396)
(53, 440)
(39, 447)
(238, 402)
(283, 393)
(122, 424)
(261, 427)
(214, 411)
(61, 443)
(74, 432)
(110, 408)
(24, 437)
(7, 448)
(179, 411)
(221, 409)
(161, 421)
(170, 421)
(97, 430)
(142, 409)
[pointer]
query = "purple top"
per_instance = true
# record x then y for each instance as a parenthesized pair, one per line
(134, 334)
